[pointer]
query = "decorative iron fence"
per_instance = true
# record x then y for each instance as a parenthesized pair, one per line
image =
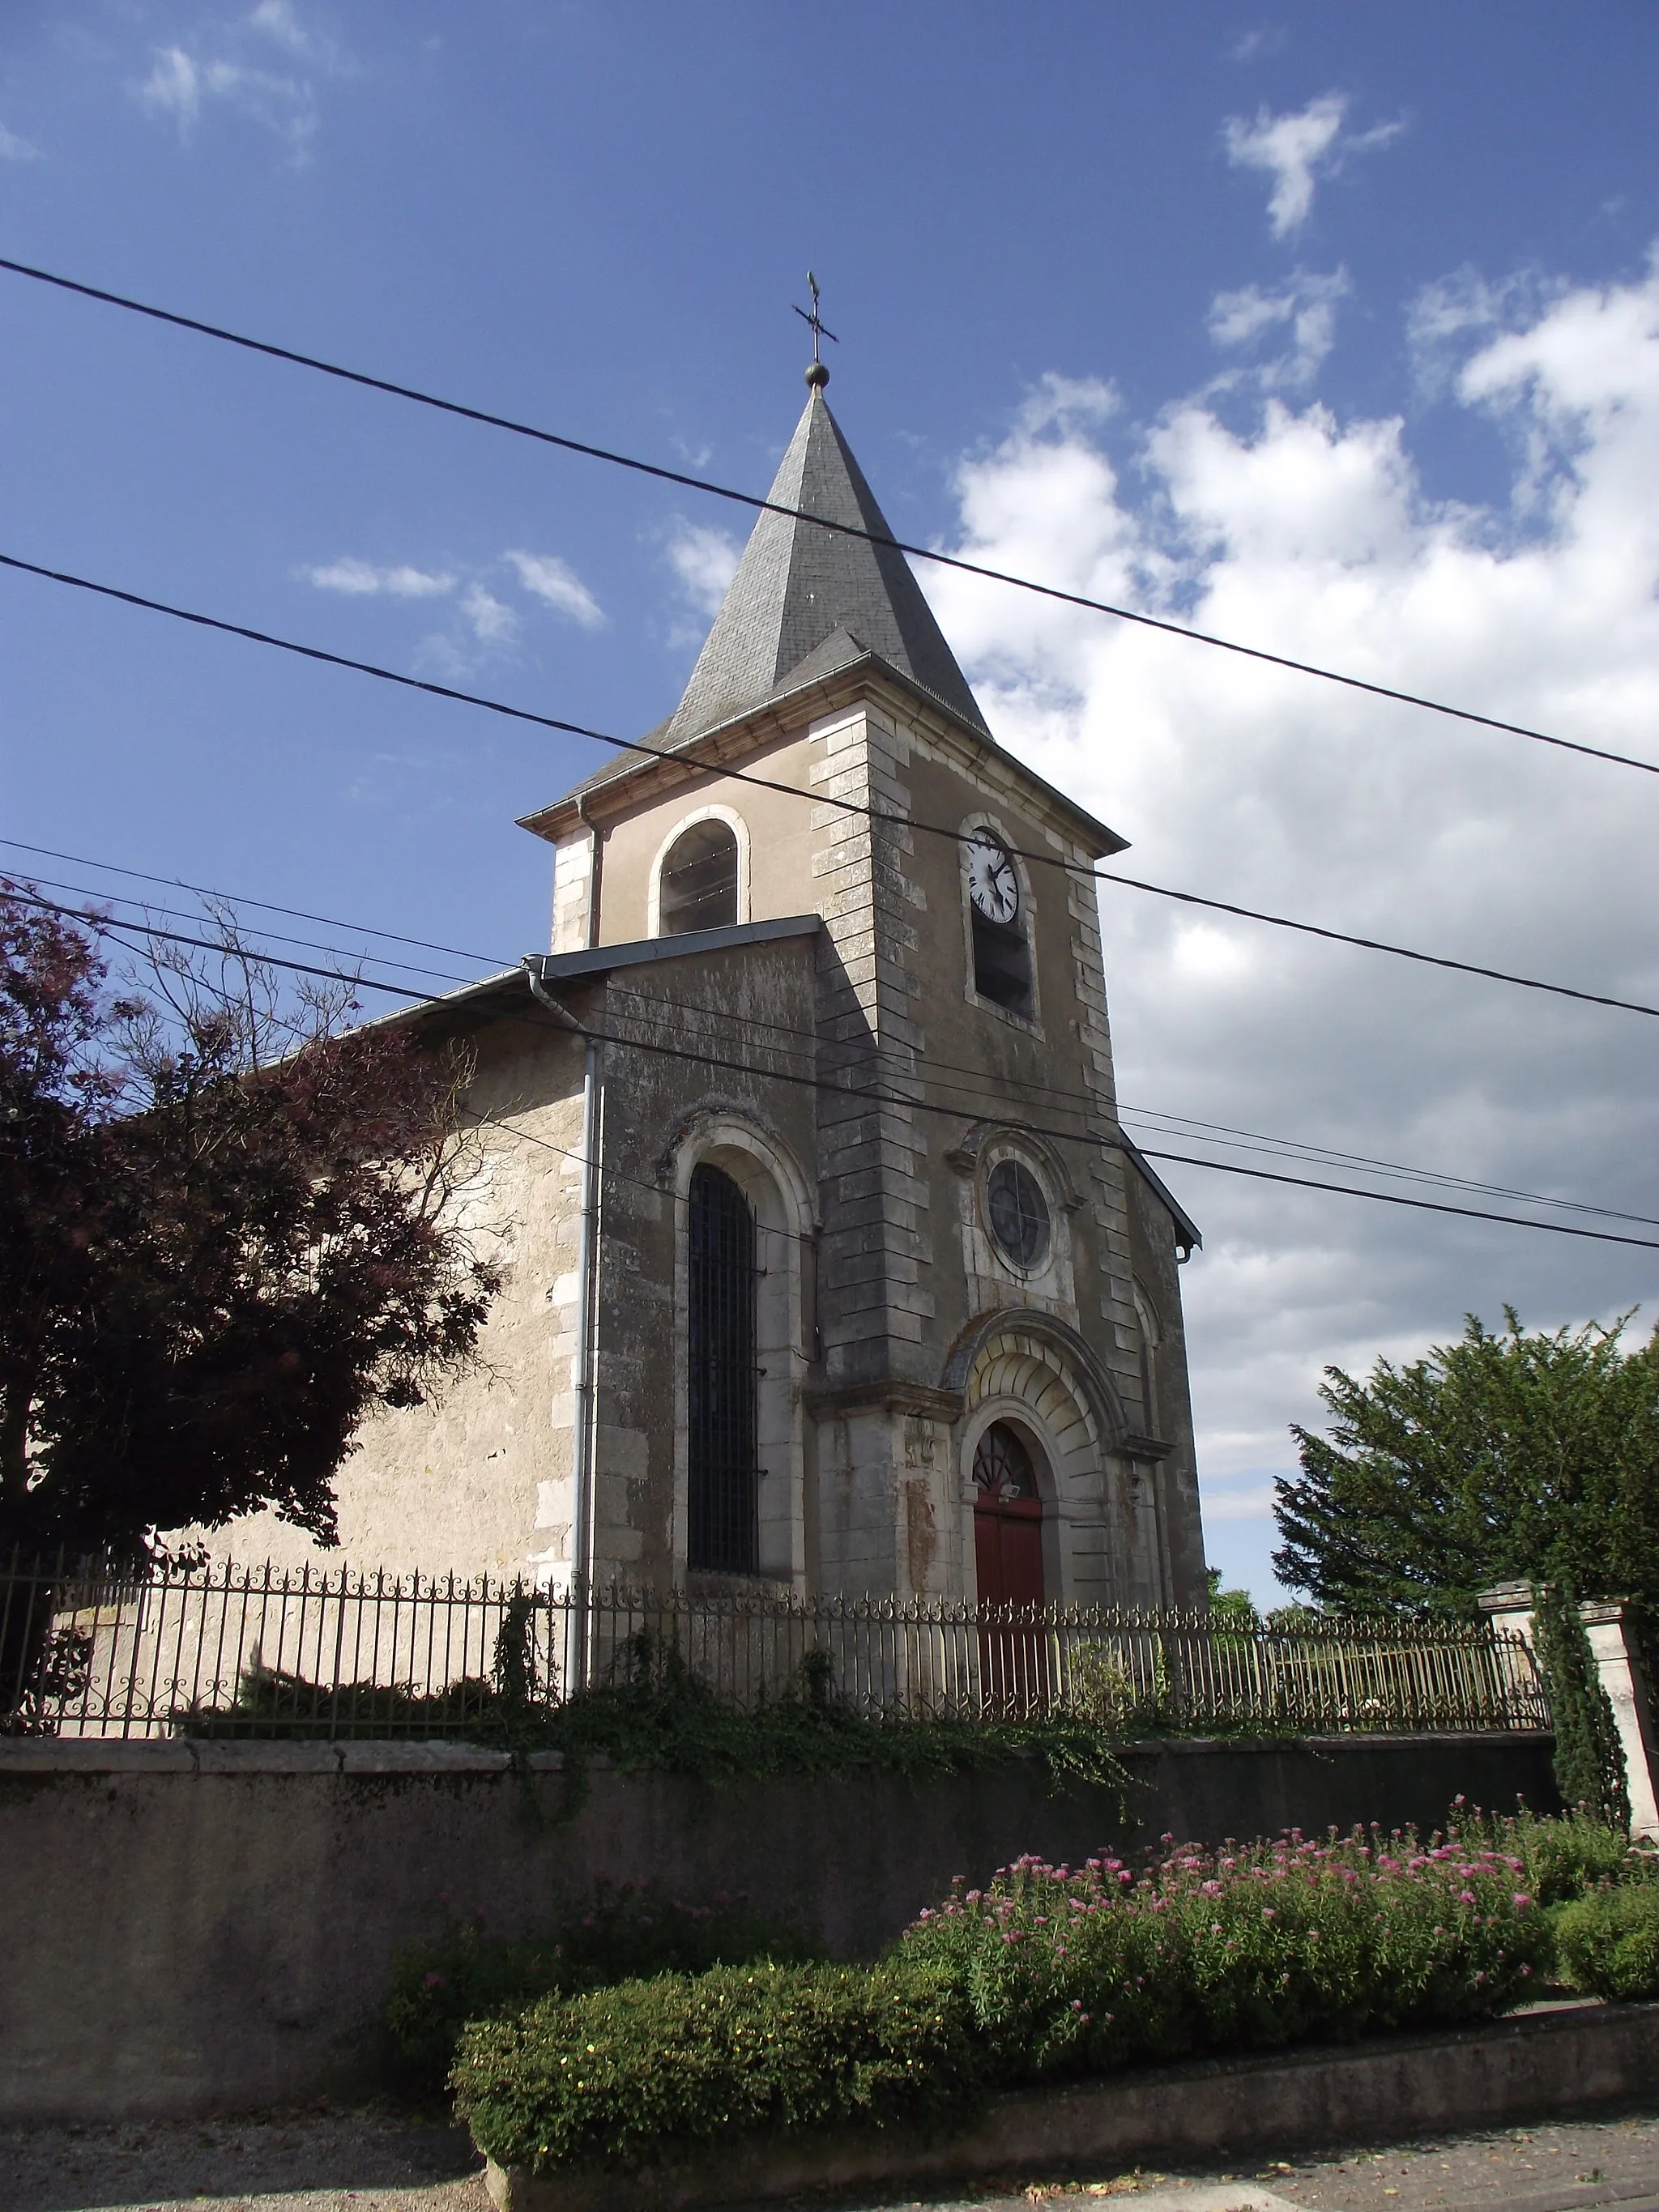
(225, 1648)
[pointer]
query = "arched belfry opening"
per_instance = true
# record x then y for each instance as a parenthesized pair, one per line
(1007, 1519)
(721, 1379)
(697, 881)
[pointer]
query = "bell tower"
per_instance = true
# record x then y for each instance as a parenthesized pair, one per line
(989, 1254)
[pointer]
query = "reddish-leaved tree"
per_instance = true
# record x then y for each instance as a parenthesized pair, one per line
(227, 1232)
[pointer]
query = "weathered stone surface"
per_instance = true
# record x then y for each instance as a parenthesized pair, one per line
(210, 1928)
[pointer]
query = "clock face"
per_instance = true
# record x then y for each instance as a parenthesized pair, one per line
(992, 884)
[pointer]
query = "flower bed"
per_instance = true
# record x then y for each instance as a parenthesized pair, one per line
(1048, 1972)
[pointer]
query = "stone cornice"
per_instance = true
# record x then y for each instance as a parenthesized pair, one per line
(787, 717)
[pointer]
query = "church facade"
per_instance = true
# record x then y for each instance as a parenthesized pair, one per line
(829, 1266)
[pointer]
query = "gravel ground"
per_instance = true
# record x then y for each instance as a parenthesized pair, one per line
(320, 2160)
(379, 2161)
(1547, 2169)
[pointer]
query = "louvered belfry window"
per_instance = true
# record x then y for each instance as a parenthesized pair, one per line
(720, 1440)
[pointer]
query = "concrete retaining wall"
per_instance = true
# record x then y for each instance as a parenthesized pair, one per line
(195, 1928)
(1527, 2068)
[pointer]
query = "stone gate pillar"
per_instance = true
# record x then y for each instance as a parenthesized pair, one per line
(1618, 1667)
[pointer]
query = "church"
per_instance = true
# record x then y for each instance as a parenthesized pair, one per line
(829, 1267)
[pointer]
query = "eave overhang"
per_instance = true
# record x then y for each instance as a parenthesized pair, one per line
(731, 744)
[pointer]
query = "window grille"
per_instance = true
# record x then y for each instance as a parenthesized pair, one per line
(1019, 1213)
(1002, 1465)
(697, 882)
(720, 1439)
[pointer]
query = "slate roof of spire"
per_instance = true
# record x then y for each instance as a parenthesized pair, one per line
(796, 587)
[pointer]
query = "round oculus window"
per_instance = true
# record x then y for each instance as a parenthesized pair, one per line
(1019, 1213)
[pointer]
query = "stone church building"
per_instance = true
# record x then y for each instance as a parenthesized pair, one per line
(864, 1291)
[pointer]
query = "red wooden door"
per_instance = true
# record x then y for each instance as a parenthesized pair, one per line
(1008, 1550)
(1008, 1566)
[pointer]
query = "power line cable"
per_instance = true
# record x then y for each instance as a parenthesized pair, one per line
(1079, 1101)
(240, 898)
(616, 1175)
(307, 944)
(794, 791)
(1275, 1147)
(106, 924)
(753, 501)
(1053, 1096)
(1288, 1146)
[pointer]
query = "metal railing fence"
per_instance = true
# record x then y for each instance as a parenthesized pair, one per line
(228, 1649)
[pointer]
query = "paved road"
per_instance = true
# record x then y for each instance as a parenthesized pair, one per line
(378, 2161)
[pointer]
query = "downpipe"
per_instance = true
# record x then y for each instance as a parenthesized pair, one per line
(583, 1390)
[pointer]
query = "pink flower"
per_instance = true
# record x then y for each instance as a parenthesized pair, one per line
(1466, 1897)
(1521, 1900)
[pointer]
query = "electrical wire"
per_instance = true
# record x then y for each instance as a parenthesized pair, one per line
(1061, 1098)
(239, 898)
(1082, 1103)
(616, 1175)
(1287, 1147)
(817, 798)
(753, 501)
(105, 924)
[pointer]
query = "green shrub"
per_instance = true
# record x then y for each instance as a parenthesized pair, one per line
(1562, 1858)
(1048, 1971)
(1608, 1943)
(623, 2074)
(1079, 1970)
(627, 1933)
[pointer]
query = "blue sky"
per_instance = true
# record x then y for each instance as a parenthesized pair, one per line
(1333, 326)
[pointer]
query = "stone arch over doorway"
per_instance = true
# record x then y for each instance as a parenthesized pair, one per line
(1031, 1373)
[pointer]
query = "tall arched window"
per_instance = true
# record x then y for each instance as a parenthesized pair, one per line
(721, 1446)
(697, 881)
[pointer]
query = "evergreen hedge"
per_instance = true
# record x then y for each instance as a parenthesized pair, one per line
(625, 2074)
(1608, 1942)
(1047, 1972)
(623, 1932)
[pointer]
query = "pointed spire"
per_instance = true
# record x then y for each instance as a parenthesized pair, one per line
(801, 593)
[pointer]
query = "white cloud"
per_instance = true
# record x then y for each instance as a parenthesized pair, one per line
(493, 622)
(558, 586)
(277, 21)
(362, 580)
(1304, 310)
(173, 87)
(1313, 534)
(186, 79)
(1057, 402)
(1255, 1504)
(14, 149)
(1255, 45)
(1295, 149)
(704, 561)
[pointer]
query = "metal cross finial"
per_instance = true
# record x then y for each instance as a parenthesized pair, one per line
(818, 375)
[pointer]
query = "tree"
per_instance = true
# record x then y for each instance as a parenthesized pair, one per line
(1230, 1608)
(1504, 1456)
(226, 1232)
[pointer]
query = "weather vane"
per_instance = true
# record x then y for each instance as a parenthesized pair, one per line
(818, 375)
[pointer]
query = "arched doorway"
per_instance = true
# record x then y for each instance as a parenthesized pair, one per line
(722, 1375)
(1014, 1659)
(1007, 1520)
